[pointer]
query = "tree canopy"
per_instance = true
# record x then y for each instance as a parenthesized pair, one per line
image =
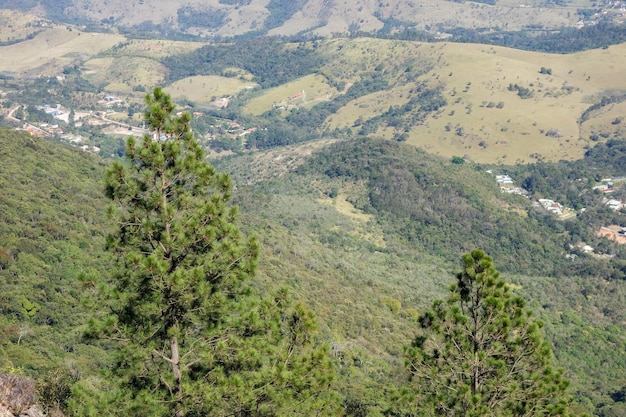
(481, 353)
(190, 336)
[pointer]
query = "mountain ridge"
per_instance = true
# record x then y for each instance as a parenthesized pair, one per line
(312, 17)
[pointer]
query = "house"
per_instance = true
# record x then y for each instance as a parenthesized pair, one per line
(614, 205)
(551, 206)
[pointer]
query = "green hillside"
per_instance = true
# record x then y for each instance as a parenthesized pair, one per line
(51, 240)
(369, 233)
(366, 232)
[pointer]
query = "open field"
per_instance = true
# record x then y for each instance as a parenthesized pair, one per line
(544, 125)
(154, 48)
(53, 49)
(369, 106)
(352, 57)
(485, 118)
(204, 89)
(301, 92)
(16, 25)
(121, 74)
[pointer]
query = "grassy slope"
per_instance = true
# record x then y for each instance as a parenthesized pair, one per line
(326, 18)
(303, 92)
(16, 25)
(201, 89)
(588, 75)
(53, 49)
(483, 119)
(473, 76)
(474, 80)
(135, 63)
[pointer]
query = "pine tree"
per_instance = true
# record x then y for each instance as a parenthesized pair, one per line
(189, 335)
(481, 353)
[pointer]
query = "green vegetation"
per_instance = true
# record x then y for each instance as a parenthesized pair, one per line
(328, 237)
(272, 63)
(281, 11)
(421, 199)
(363, 231)
(566, 40)
(188, 338)
(481, 352)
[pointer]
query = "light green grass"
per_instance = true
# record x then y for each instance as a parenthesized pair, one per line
(203, 89)
(304, 91)
(53, 49)
(474, 80)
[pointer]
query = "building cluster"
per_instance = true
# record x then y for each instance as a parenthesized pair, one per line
(551, 206)
(506, 184)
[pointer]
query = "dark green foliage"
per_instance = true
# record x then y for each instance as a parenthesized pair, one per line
(566, 40)
(209, 18)
(190, 336)
(544, 70)
(272, 62)
(480, 352)
(422, 199)
(281, 11)
(522, 92)
(51, 233)
(605, 101)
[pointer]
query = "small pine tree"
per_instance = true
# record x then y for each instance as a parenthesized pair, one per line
(481, 353)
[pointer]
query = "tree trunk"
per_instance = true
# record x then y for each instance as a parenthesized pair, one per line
(178, 377)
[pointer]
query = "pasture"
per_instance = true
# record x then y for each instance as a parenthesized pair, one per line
(206, 88)
(305, 91)
(119, 74)
(15, 25)
(486, 118)
(501, 106)
(154, 48)
(53, 49)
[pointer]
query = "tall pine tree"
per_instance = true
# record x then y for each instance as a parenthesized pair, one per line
(481, 353)
(189, 335)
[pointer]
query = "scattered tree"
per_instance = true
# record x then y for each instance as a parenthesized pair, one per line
(480, 352)
(546, 71)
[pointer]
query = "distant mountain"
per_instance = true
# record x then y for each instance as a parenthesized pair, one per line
(308, 17)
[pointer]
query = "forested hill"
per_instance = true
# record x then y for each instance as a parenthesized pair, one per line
(439, 207)
(443, 209)
(368, 232)
(365, 232)
(52, 228)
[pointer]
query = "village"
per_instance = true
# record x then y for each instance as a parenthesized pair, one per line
(112, 118)
(607, 186)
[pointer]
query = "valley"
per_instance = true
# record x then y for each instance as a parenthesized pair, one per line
(364, 164)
